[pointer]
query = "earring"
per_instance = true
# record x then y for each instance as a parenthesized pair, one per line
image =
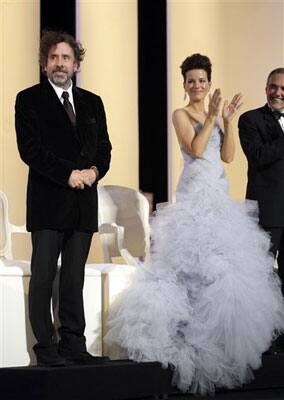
(185, 96)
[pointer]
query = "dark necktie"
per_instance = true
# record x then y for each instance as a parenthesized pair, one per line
(278, 114)
(68, 107)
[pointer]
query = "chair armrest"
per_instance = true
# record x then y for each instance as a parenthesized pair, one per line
(118, 230)
(11, 228)
(18, 228)
(130, 260)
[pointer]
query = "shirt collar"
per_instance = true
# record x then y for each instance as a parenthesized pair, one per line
(273, 109)
(59, 90)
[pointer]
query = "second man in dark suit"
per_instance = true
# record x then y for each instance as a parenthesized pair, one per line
(62, 136)
(262, 139)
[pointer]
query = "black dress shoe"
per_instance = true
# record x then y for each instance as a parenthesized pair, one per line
(48, 356)
(82, 358)
(58, 362)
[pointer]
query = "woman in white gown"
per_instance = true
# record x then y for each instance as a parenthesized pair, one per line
(208, 303)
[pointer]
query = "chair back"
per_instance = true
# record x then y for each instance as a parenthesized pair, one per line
(129, 209)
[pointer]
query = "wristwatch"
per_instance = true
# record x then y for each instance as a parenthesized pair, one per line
(96, 170)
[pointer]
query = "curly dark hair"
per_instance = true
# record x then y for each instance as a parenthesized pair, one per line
(51, 38)
(196, 61)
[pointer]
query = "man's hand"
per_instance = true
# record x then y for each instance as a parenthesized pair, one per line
(76, 180)
(89, 176)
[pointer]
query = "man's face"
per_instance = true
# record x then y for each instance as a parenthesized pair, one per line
(61, 65)
(275, 91)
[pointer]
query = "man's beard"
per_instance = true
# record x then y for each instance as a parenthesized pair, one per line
(60, 80)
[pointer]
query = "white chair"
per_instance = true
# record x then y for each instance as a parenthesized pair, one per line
(123, 223)
(16, 337)
(7, 229)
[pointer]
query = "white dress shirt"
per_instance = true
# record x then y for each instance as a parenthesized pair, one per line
(59, 91)
(281, 122)
(281, 119)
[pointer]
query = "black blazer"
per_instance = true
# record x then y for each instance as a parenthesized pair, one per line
(262, 140)
(52, 148)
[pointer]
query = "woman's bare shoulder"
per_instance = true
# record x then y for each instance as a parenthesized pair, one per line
(180, 113)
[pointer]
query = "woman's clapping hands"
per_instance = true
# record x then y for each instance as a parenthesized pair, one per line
(229, 109)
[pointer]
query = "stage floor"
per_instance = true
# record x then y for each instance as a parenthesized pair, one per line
(123, 379)
(265, 394)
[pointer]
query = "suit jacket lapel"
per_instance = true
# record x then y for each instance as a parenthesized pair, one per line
(52, 103)
(272, 125)
(81, 107)
(87, 124)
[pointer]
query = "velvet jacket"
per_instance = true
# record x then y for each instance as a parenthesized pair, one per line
(52, 148)
(262, 140)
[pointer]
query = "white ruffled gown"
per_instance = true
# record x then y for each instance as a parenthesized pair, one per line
(208, 303)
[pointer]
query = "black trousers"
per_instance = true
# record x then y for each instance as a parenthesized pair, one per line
(74, 248)
(277, 248)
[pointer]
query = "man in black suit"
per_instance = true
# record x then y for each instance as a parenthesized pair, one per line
(262, 139)
(62, 136)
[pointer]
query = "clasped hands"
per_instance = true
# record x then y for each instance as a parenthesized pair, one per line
(79, 178)
(229, 109)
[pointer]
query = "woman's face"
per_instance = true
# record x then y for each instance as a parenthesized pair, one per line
(196, 84)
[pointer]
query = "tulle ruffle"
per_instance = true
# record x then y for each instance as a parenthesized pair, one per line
(209, 303)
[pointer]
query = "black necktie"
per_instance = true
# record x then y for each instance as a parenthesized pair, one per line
(68, 107)
(278, 114)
